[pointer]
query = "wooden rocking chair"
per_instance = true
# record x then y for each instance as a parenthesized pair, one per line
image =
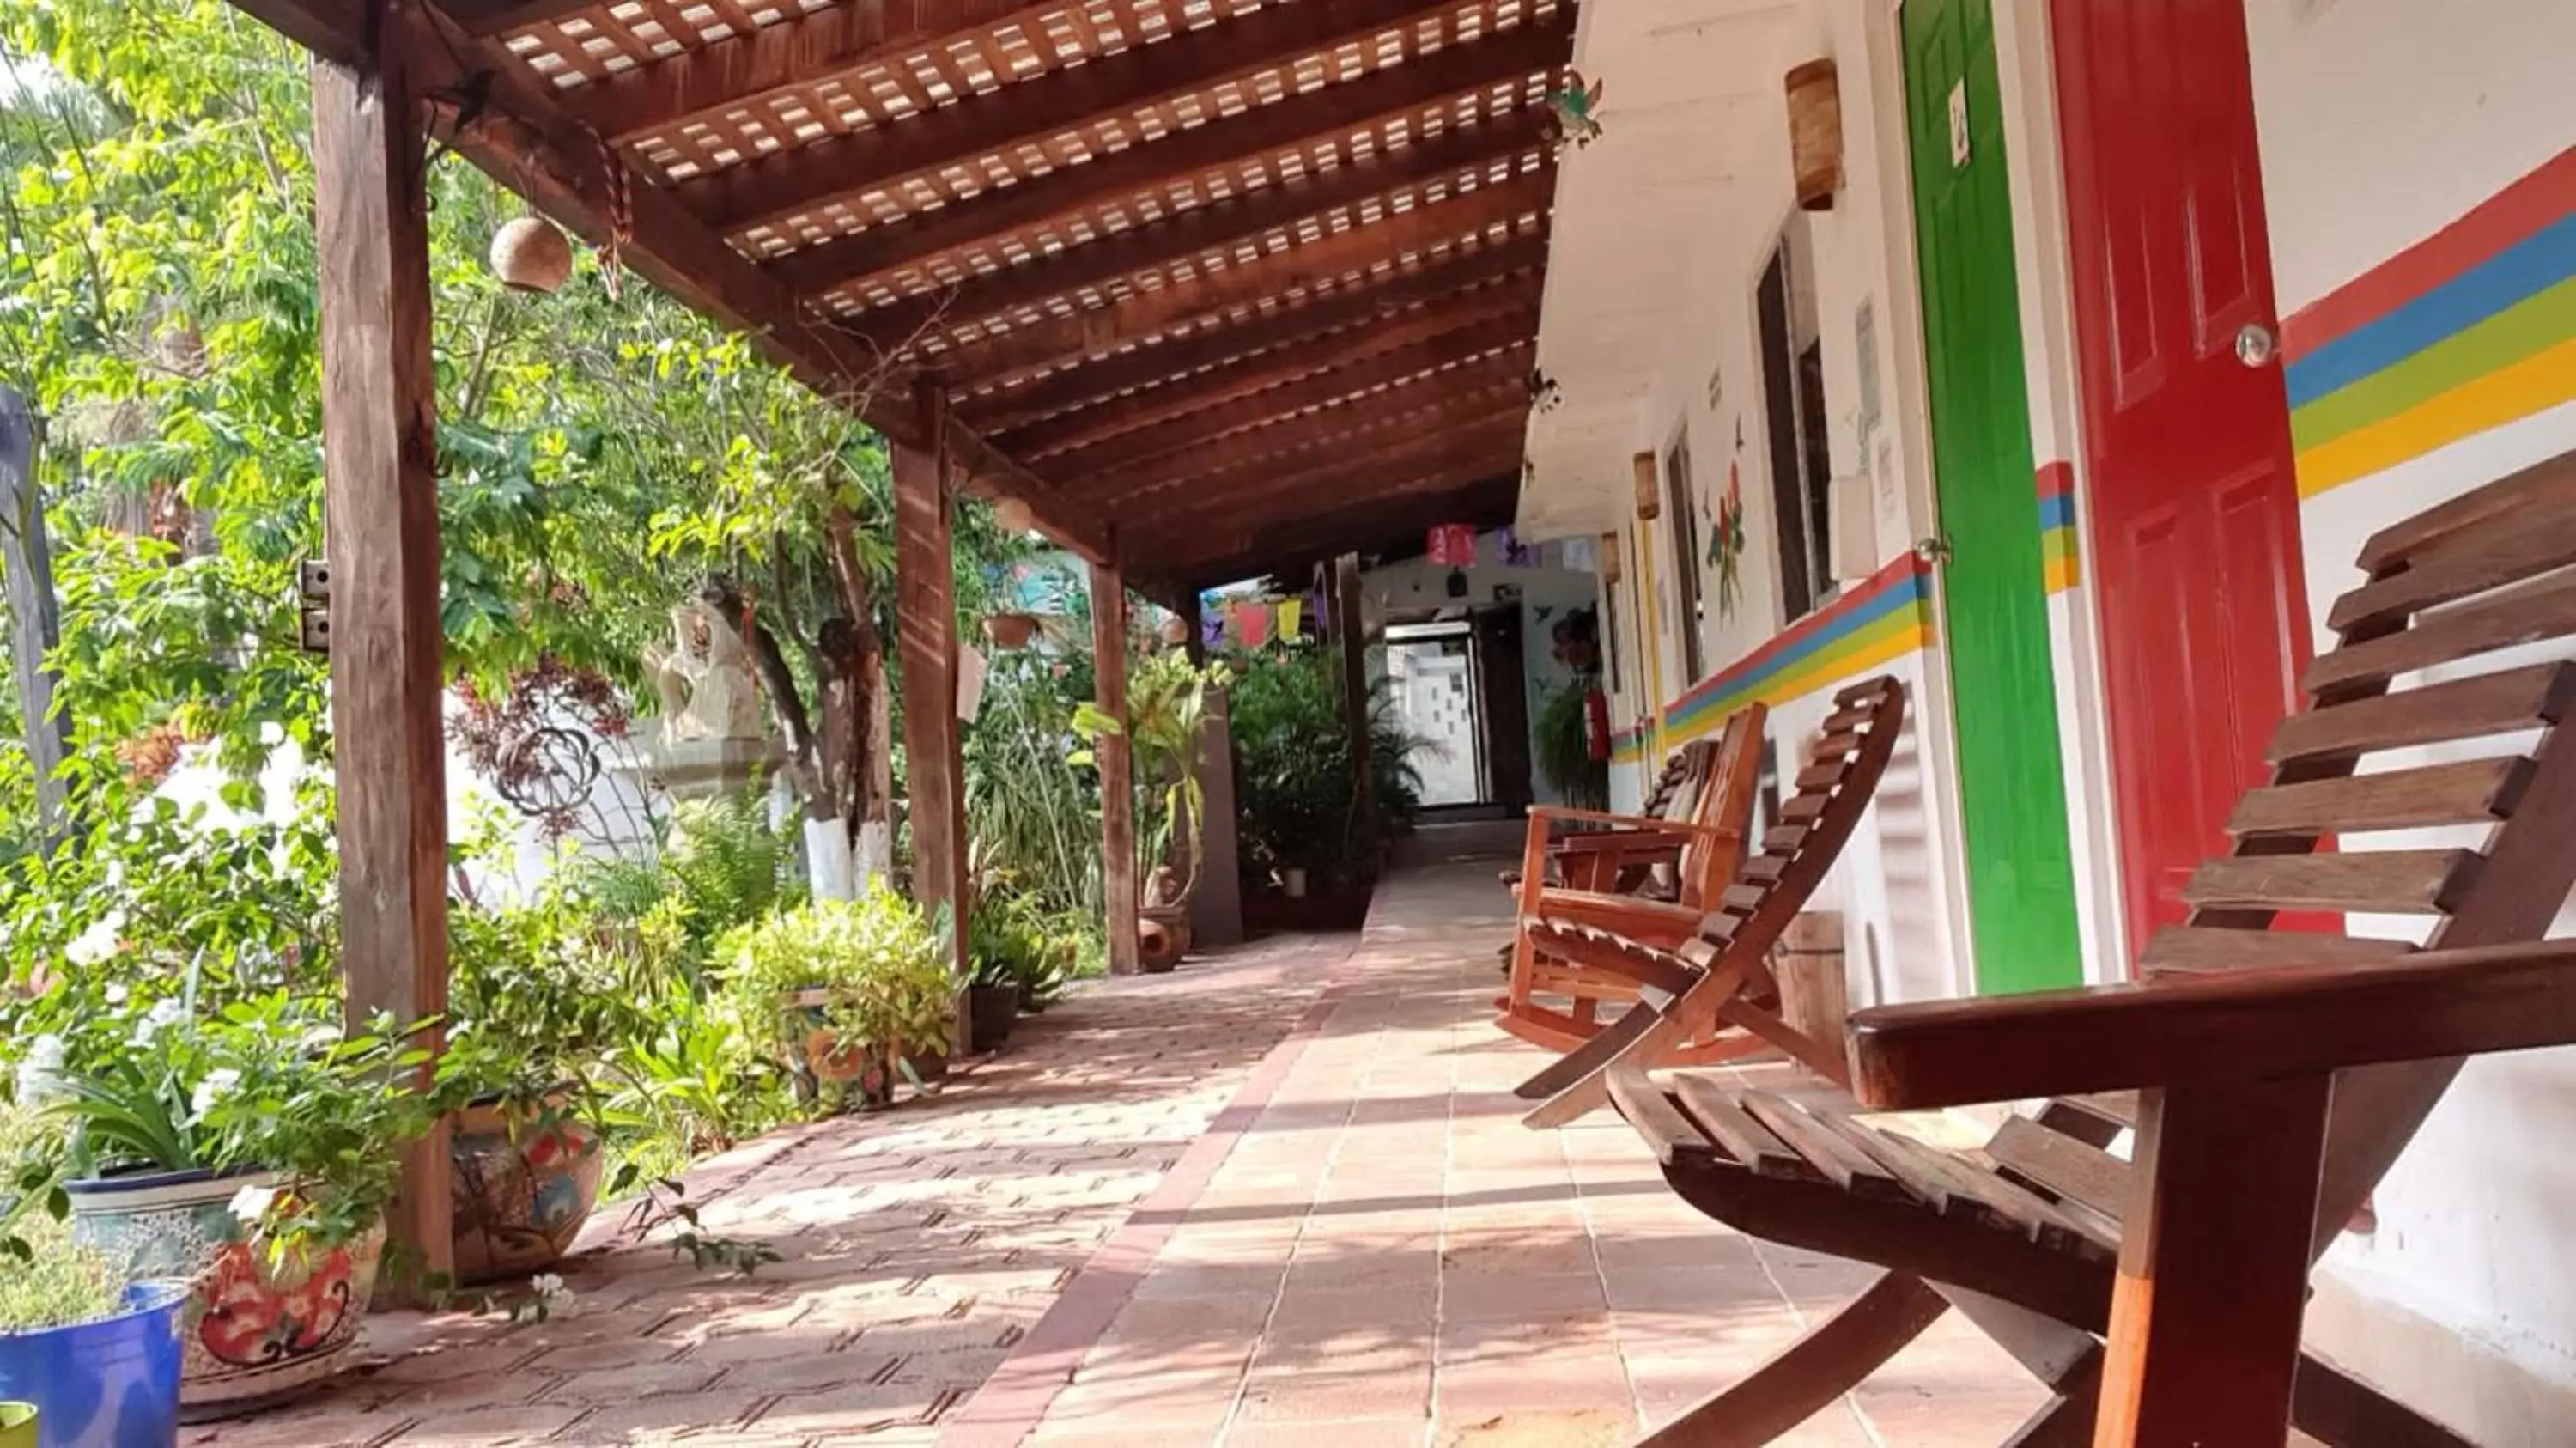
(1620, 857)
(2281, 1071)
(1712, 997)
(1705, 849)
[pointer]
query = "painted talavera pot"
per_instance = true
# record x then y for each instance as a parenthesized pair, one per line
(524, 1182)
(253, 1331)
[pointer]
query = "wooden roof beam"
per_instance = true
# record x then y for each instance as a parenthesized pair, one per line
(524, 142)
(704, 82)
(1473, 494)
(1423, 230)
(1428, 89)
(483, 19)
(1326, 407)
(1240, 226)
(1330, 322)
(1484, 436)
(1249, 377)
(768, 193)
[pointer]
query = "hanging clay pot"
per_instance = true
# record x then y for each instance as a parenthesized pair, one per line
(1010, 632)
(530, 254)
(1013, 516)
(1175, 632)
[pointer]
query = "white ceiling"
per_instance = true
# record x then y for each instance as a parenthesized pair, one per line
(1635, 210)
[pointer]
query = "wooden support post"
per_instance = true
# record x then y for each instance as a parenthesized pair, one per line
(28, 563)
(925, 621)
(1216, 905)
(380, 527)
(2214, 1265)
(1117, 769)
(1355, 698)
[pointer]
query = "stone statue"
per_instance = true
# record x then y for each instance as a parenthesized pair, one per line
(704, 679)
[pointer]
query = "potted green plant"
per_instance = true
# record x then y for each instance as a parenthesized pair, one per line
(1166, 708)
(539, 996)
(251, 1154)
(857, 991)
(84, 1355)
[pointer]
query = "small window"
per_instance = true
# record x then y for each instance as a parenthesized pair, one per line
(1793, 405)
(1679, 507)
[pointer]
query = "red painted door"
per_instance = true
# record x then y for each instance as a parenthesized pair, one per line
(2195, 511)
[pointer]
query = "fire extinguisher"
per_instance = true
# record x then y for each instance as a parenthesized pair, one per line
(1596, 724)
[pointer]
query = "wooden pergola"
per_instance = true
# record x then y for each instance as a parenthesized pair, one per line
(1214, 287)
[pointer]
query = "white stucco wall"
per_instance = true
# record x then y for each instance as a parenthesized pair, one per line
(2382, 121)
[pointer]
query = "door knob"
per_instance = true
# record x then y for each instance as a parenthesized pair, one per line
(1932, 549)
(2256, 346)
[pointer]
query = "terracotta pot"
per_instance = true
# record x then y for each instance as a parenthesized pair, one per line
(253, 1332)
(1010, 632)
(991, 1011)
(1162, 938)
(522, 1188)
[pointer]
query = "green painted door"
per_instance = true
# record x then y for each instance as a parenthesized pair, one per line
(2021, 881)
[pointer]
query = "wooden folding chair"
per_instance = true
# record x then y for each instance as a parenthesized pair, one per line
(1708, 846)
(1617, 855)
(1712, 997)
(2282, 1071)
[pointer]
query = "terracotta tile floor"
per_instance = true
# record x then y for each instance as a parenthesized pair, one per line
(1388, 1257)
(1231, 1206)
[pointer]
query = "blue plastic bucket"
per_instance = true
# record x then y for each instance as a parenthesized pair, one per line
(113, 1383)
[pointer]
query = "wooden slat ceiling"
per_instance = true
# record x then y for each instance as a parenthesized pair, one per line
(1194, 273)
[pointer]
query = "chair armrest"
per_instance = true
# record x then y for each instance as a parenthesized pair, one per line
(1541, 814)
(2250, 1025)
(1619, 842)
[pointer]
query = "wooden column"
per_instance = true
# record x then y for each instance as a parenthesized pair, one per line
(1117, 770)
(925, 620)
(380, 530)
(1216, 904)
(1355, 693)
(28, 564)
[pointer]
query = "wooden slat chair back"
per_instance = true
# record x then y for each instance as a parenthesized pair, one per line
(1586, 862)
(2435, 653)
(1719, 979)
(1555, 1003)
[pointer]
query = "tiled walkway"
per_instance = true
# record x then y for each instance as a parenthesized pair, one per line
(1280, 1198)
(919, 1246)
(1388, 1257)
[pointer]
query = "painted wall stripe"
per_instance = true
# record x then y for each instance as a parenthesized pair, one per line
(2505, 281)
(1884, 617)
(2470, 329)
(2059, 570)
(2518, 211)
(2539, 382)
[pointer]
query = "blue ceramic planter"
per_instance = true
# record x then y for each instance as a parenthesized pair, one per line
(113, 1383)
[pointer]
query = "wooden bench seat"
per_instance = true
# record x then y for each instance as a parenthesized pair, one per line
(2266, 1075)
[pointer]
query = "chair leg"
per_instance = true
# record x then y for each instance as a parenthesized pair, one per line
(2204, 1340)
(1816, 1369)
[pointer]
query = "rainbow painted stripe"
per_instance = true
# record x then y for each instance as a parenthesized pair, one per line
(2472, 328)
(2059, 569)
(1886, 617)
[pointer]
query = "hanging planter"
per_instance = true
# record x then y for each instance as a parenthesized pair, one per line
(1816, 134)
(1010, 632)
(531, 255)
(1175, 632)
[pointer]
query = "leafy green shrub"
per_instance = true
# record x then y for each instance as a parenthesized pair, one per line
(59, 1284)
(723, 858)
(1294, 792)
(877, 965)
(267, 1082)
(1565, 755)
(1030, 815)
